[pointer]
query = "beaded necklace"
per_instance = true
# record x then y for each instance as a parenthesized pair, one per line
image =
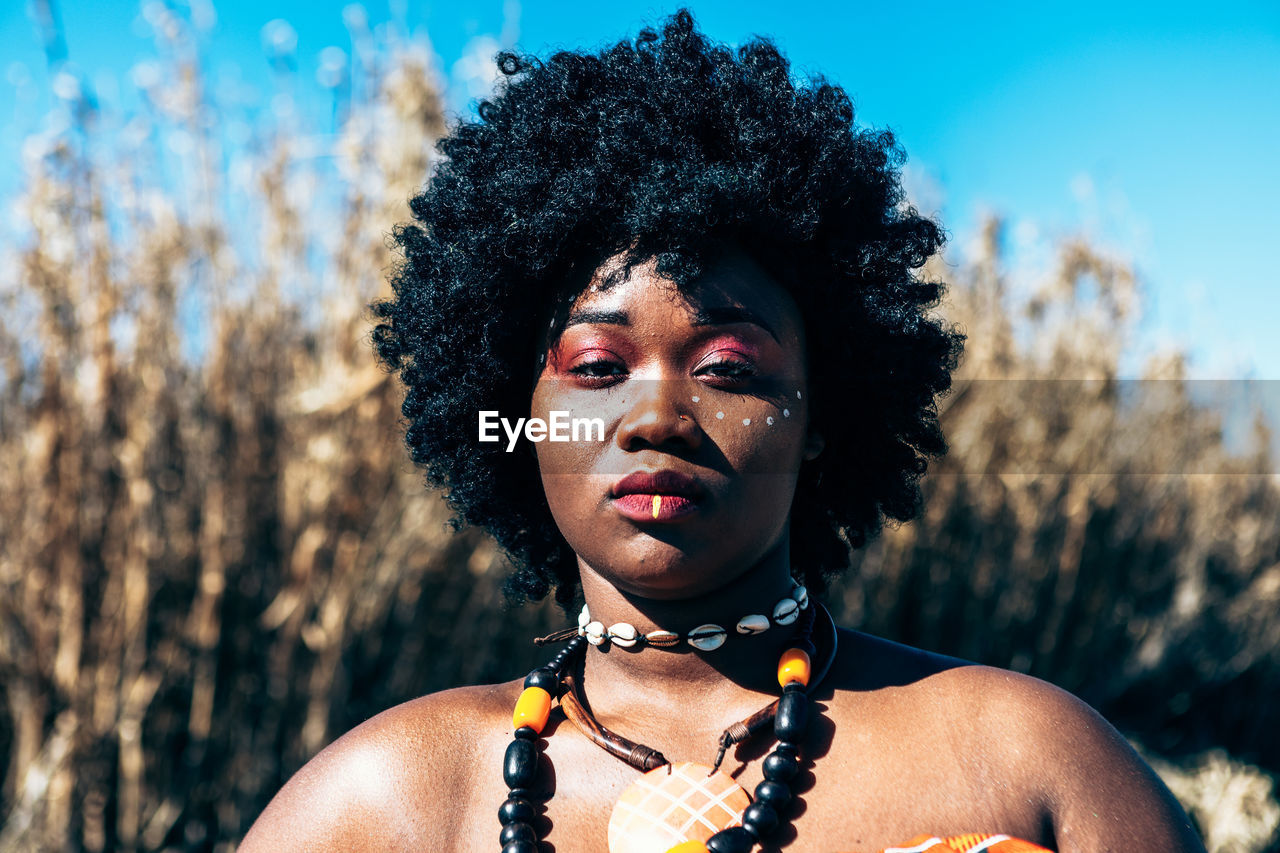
(727, 832)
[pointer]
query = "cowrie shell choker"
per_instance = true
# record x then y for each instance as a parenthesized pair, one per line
(705, 638)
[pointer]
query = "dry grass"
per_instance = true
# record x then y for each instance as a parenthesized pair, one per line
(214, 555)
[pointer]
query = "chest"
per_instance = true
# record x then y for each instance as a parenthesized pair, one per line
(859, 789)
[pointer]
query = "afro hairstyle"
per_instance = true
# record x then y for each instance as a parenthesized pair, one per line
(667, 148)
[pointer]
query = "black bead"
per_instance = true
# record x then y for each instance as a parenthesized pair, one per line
(794, 687)
(527, 733)
(516, 810)
(544, 679)
(521, 847)
(760, 819)
(780, 766)
(520, 764)
(517, 832)
(793, 714)
(735, 839)
(776, 794)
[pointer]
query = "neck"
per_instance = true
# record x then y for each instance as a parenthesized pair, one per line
(742, 669)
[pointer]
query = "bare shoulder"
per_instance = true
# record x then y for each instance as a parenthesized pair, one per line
(375, 787)
(1069, 767)
(1101, 794)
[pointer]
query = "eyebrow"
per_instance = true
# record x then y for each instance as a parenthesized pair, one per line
(719, 316)
(730, 314)
(608, 318)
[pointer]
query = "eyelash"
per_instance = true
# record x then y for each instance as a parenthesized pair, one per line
(594, 380)
(725, 372)
(737, 371)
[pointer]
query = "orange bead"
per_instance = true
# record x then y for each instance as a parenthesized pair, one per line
(689, 847)
(793, 666)
(532, 709)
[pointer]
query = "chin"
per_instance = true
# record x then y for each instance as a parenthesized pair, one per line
(664, 572)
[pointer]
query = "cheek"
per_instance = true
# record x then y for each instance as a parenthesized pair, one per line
(757, 435)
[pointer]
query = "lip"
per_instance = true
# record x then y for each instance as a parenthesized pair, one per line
(657, 496)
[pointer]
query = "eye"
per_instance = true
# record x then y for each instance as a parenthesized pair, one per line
(726, 370)
(599, 372)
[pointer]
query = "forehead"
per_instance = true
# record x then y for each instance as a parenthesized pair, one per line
(732, 289)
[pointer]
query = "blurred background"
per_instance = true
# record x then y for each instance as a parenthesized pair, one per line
(215, 556)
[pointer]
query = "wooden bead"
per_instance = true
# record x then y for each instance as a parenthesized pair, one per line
(689, 847)
(521, 847)
(532, 709)
(756, 623)
(735, 839)
(520, 764)
(760, 819)
(781, 766)
(544, 679)
(516, 810)
(793, 714)
(793, 666)
(516, 832)
(775, 794)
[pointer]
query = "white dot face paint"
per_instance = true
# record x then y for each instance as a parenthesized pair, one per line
(695, 399)
(720, 416)
(786, 413)
(746, 421)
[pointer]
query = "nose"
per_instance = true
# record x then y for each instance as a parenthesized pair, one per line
(655, 419)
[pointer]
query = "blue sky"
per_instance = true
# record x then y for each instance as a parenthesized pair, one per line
(1152, 127)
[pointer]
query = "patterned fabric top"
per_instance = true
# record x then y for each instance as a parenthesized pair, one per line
(972, 842)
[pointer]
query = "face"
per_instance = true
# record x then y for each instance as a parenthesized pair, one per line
(705, 412)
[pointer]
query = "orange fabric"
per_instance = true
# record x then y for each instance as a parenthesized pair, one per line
(973, 842)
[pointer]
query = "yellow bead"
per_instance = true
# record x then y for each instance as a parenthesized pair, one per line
(532, 709)
(689, 847)
(793, 666)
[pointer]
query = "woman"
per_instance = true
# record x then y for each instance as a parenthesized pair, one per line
(709, 267)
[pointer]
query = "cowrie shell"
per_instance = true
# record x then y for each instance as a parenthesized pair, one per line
(801, 595)
(659, 639)
(595, 633)
(707, 637)
(623, 634)
(785, 612)
(756, 623)
(584, 618)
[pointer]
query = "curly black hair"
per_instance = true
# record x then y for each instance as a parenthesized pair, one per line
(668, 148)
